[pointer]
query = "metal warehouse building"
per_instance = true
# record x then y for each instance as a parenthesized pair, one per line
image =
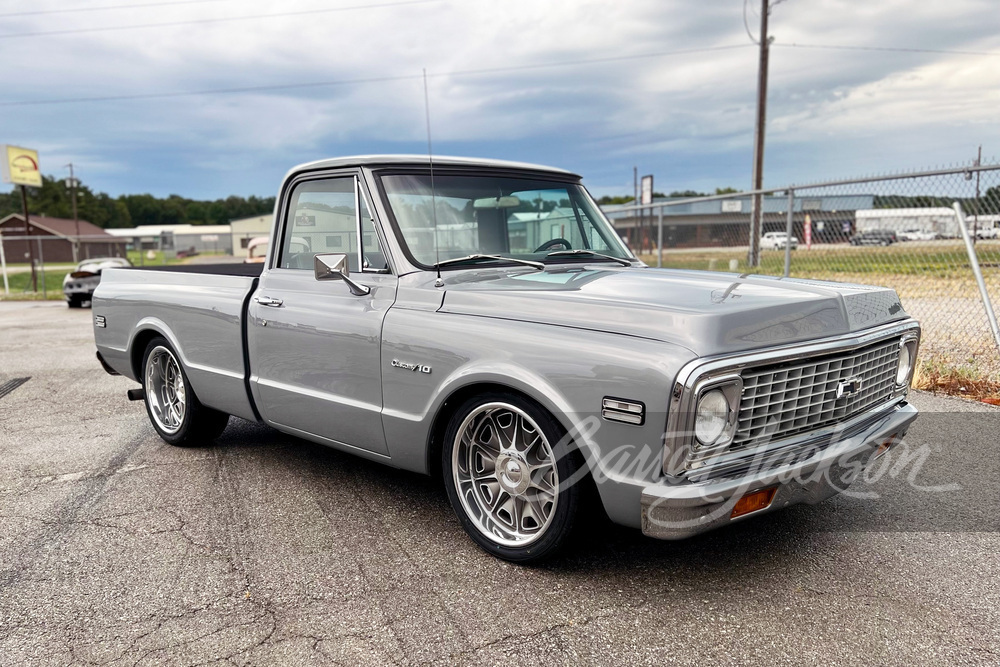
(58, 240)
(173, 239)
(726, 222)
(246, 229)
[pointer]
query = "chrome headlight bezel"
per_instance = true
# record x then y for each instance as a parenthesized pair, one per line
(731, 389)
(904, 374)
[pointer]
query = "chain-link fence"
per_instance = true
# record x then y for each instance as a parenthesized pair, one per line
(900, 231)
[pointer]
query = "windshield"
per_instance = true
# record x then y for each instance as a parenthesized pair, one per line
(515, 217)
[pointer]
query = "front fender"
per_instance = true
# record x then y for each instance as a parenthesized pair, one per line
(509, 374)
(567, 371)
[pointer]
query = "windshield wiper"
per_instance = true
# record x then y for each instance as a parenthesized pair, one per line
(570, 253)
(495, 258)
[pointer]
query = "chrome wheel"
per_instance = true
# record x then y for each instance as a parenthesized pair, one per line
(166, 394)
(505, 474)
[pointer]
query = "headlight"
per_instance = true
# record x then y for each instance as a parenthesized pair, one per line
(712, 417)
(906, 351)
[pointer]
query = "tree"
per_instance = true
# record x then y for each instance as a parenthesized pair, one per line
(624, 199)
(990, 201)
(53, 199)
(608, 200)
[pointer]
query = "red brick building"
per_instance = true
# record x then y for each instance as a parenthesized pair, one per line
(54, 239)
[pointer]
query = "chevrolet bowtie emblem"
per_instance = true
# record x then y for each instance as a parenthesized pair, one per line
(848, 387)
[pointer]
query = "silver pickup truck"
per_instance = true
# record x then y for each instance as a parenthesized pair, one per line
(482, 321)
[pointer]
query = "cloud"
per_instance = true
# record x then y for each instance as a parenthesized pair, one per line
(688, 118)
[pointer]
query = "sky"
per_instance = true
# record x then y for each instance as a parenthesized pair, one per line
(594, 86)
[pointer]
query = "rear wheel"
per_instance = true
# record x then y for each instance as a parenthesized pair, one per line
(511, 477)
(174, 411)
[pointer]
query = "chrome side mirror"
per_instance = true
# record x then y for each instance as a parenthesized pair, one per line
(334, 266)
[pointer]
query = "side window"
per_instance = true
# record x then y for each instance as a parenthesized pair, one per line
(322, 217)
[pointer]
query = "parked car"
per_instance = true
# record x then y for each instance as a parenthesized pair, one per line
(881, 237)
(988, 233)
(79, 285)
(257, 250)
(431, 326)
(777, 241)
(916, 235)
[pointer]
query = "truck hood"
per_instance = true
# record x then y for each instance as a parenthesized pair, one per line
(708, 313)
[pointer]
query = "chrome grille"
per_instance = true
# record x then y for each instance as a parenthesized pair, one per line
(786, 399)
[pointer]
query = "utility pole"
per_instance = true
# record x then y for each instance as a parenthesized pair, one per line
(756, 212)
(27, 233)
(76, 219)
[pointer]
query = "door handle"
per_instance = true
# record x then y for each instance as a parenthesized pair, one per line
(268, 301)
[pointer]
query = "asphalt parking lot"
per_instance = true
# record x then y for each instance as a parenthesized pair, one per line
(118, 549)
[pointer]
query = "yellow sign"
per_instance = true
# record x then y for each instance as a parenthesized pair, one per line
(20, 166)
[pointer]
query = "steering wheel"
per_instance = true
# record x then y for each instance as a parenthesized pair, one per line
(551, 243)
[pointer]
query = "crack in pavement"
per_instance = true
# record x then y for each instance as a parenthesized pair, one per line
(216, 631)
(360, 562)
(83, 497)
(573, 623)
(90, 473)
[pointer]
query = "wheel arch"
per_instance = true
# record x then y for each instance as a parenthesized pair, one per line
(458, 395)
(145, 331)
(446, 410)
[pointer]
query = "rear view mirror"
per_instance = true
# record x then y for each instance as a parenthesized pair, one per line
(497, 202)
(334, 266)
(331, 266)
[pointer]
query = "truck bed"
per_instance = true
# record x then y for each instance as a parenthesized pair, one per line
(198, 308)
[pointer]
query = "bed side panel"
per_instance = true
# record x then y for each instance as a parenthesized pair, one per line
(198, 313)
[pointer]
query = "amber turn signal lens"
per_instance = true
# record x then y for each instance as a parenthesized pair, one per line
(884, 447)
(753, 502)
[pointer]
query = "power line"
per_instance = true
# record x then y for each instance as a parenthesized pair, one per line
(896, 49)
(103, 8)
(216, 91)
(746, 24)
(590, 61)
(346, 82)
(252, 17)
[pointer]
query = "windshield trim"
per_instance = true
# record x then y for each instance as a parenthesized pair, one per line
(476, 170)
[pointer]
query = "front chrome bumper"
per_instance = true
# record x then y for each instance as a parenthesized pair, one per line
(673, 512)
(82, 293)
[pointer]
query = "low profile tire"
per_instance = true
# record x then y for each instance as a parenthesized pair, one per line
(511, 477)
(173, 409)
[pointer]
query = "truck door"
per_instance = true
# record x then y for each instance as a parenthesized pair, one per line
(315, 368)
